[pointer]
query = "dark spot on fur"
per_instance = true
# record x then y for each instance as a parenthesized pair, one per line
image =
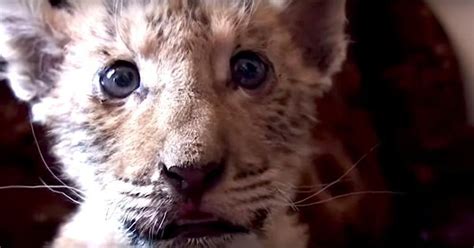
(250, 173)
(110, 30)
(258, 222)
(60, 4)
(251, 186)
(296, 123)
(293, 81)
(104, 52)
(271, 128)
(3, 64)
(277, 132)
(110, 7)
(285, 150)
(140, 181)
(258, 198)
(280, 112)
(282, 98)
(154, 21)
(273, 119)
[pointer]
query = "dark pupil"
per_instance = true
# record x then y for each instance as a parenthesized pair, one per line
(249, 73)
(123, 78)
(248, 69)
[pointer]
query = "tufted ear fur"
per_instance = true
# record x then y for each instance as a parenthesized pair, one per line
(318, 26)
(31, 42)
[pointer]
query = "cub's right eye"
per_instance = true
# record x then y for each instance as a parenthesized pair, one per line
(120, 79)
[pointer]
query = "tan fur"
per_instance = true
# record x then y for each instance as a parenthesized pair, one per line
(184, 111)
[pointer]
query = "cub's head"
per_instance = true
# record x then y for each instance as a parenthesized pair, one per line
(185, 120)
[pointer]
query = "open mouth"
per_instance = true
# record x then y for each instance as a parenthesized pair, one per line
(200, 229)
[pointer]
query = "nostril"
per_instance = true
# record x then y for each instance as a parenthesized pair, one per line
(215, 172)
(171, 174)
(171, 177)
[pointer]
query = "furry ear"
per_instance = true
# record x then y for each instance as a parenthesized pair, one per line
(318, 26)
(31, 42)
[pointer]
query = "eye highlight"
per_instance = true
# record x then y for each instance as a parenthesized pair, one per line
(120, 79)
(248, 70)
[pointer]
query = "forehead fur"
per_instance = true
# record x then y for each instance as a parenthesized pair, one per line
(140, 23)
(169, 30)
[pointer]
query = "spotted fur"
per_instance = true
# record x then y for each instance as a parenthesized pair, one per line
(184, 111)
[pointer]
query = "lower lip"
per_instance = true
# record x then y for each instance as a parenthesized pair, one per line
(202, 230)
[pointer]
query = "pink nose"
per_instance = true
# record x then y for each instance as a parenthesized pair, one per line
(192, 181)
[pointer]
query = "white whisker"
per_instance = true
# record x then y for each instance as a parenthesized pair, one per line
(307, 188)
(38, 148)
(286, 199)
(79, 193)
(62, 193)
(33, 187)
(349, 195)
(162, 222)
(338, 179)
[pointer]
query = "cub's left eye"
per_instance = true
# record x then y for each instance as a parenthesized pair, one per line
(249, 71)
(120, 79)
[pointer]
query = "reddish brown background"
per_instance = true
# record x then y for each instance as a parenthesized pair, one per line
(400, 88)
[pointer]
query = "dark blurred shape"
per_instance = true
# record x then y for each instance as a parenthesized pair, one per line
(412, 87)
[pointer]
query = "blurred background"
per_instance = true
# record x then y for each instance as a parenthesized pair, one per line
(408, 85)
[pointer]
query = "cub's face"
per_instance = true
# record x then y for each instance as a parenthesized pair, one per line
(187, 120)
